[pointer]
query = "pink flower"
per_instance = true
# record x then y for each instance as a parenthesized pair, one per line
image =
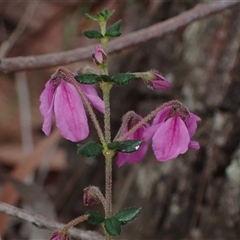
(156, 81)
(60, 235)
(171, 132)
(137, 156)
(99, 55)
(61, 98)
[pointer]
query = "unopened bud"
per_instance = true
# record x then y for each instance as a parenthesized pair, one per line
(99, 55)
(155, 80)
(90, 196)
(60, 235)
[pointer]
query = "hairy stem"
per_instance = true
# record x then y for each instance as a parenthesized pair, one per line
(75, 222)
(108, 183)
(106, 87)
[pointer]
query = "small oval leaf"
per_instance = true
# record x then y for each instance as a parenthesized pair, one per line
(123, 78)
(95, 217)
(113, 34)
(88, 78)
(127, 146)
(92, 34)
(113, 31)
(112, 226)
(89, 149)
(128, 214)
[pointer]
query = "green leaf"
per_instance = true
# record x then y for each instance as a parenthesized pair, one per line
(105, 14)
(112, 226)
(114, 145)
(95, 217)
(87, 78)
(105, 78)
(127, 146)
(92, 34)
(123, 78)
(89, 149)
(91, 16)
(113, 31)
(128, 214)
(109, 14)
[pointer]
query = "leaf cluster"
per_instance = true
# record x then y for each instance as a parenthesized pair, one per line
(113, 224)
(92, 149)
(91, 78)
(102, 17)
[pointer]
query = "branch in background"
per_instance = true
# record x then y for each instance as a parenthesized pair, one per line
(43, 222)
(157, 30)
(8, 44)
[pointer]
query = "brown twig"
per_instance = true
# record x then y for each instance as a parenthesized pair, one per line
(43, 222)
(157, 30)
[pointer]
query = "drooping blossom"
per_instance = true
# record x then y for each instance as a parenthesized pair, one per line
(61, 98)
(171, 131)
(137, 156)
(156, 81)
(99, 55)
(60, 235)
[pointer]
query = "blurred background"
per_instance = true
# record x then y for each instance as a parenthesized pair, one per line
(197, 195)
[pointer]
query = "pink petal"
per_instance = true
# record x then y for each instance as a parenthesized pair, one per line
(157, 121)
(150, 132)
(46, 106)
(191, 123)
(194, 145)
(70, 114)
(160, 84)
(99, 54)
(161, 116)
(171, 139)
(93, 97)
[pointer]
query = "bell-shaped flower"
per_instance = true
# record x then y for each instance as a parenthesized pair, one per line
(99, 55)
(61, 98)
(171, 131)
(155, 80)
(137, 156)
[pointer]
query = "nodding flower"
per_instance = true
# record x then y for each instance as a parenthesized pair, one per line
(171, 131)
(60, 97)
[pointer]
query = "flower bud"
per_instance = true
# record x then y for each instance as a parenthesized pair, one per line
(155, 80)
(99, 55)
(90, 196)
(60, 235)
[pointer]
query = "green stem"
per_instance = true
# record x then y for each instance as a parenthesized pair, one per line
(108, 183)
(106, 87)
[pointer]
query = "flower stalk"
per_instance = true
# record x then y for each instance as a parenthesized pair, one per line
(75, 222)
